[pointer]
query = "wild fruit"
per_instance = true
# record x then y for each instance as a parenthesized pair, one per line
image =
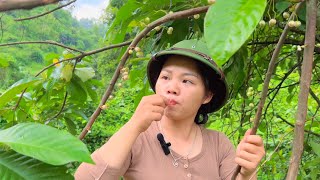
(251, 105)
(272, 22)
(297, 24)
(119, 84)
(103, 107)
(262, 23)
(211, 2)
(125, 69)
(139, 54)
(55, 61)
(196, 16)
(251, 119)
(170, 12)
(299, 48)
(124, 73)
(170, 30)
(291, 23)
(286, 15)
(157, 28)
(110, 97)
(130, 51)
(125, 77)
(147, 20)
(137, 49)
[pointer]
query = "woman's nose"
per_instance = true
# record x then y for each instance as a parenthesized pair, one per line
(173, 88)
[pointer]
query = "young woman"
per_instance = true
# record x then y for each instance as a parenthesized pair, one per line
(165, 139)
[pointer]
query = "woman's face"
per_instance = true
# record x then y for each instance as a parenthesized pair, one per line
(182, 85)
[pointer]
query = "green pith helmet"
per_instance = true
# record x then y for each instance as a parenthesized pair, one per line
(198, 51)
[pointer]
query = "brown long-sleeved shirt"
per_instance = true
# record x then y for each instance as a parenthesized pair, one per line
(147, 160)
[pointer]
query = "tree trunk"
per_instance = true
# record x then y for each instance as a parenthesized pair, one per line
(306, 73)
(7, 5)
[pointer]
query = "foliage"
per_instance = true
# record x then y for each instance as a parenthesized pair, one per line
(65, 95)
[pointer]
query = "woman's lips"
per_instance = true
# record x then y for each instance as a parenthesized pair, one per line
(171, 102)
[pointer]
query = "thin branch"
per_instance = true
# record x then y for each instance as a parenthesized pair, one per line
(61, 109)
(42, 42)
(136, 40)
(43, 14)
(270, 71)
(77, 58)
(306, 74)
(8, 5)
(292, 125)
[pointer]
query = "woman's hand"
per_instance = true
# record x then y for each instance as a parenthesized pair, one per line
(249, 153)
(150, 108)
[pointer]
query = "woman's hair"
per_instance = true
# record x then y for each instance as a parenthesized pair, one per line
(208, 81)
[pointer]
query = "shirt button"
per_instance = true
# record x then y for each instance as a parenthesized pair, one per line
(189, 175)
(185, 166)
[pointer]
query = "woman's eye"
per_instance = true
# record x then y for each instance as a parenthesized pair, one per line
(165, 77)
(187, 81)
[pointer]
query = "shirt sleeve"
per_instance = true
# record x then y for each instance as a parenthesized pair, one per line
(226, 157)
(100, 170)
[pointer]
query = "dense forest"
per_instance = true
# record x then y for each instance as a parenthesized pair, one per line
(88, 81)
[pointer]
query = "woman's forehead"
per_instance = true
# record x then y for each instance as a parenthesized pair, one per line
(181, 61)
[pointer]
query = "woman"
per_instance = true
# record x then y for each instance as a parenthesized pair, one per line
(188, 85)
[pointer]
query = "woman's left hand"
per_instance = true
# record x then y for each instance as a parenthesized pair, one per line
(249, 153)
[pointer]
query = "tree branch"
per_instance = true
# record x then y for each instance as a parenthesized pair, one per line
(42, 42)
(270, 71)
(136, 40)
(306, 74)
(292, 125)
(45, 13)
(8, 5)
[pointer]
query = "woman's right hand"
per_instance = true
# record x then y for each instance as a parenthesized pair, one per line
(150, 108)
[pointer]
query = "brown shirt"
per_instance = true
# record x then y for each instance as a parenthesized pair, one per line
(147, 160)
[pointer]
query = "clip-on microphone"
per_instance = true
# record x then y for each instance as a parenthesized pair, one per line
(164, 145)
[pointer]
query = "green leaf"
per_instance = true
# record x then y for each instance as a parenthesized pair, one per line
(15, 89)
(14, 166)
(66, 72)
(76, 90)
(45, 143)
(84, 73)
(315, 147)
(4, 62)
(71, 126)
(228, 24)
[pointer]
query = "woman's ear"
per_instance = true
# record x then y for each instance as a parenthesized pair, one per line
(208, 97)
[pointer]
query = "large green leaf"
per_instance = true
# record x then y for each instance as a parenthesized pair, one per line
(14, 166)
(45, 143)
(15, 89)
(228, 24)
(85, 73)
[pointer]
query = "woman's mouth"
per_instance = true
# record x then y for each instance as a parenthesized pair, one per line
(171, 102)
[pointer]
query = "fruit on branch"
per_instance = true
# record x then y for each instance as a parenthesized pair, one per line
(119, 85)
(262, 23)
(157, 28)
(125, 77)
(291, 23)
(211, 2)
(285, 15)
(139, 54)
(137, 49)
(196, 16)
(272, 22)
(170, 30)
(147, 20)
(130, 51)
(103, 107)
(297, 24)
(251, 105)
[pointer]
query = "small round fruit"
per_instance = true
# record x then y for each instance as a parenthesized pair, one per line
(251, 119)
(262, 23)
(125, 73)
(137, 49)
(111, 97)
(211, 2)
(139, 54)
(285, 15)
(103, 107)
(251, 105)
(157, 28)
(119, 84)
(170, 30)
(125, 77)
(147, 20)
(170, 12)
(299, 48)
(196, 16)
(272, 22)
(130, 51)
(291, 23)
(297, 24)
